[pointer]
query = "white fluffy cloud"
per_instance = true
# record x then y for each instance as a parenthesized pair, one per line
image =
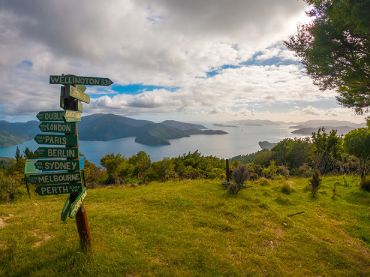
(163, 42)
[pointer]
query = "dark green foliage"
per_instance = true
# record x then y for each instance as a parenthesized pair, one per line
(357, 143)
(293, 153)
(240, 175)
(365, 183)
(335, 49)
(262, 157)
(287, 187)
(327, 149)
(315, 182)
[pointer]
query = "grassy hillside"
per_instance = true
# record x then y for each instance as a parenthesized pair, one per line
(192, 228)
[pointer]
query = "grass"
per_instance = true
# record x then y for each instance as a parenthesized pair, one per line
(194, 228)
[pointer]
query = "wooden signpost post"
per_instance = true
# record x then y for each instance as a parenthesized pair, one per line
(60, 170)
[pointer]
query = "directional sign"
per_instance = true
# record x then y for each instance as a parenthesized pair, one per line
(55, 127)
(56, 152)
(77, 203)
(58, 189)
(30, 167)
(66, 209)
(76, 93)
(56, 178)
(68, 115)
(53, 165)
(72, 116)
(79, 80)
(70, 140)
(51, 116)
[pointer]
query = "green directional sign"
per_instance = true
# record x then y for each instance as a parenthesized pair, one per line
(79, 80)
(77, 203)
(52, 165)
(77, 94)
(51, 116)
(30, 167)
(55, 178)
(70, 140)
(56, 127)
(66, 209)
(72, 116)
(57, 152)
(57, 189)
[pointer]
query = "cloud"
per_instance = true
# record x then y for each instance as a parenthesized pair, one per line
(165, 43)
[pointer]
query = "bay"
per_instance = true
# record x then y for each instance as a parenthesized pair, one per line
(239, 140)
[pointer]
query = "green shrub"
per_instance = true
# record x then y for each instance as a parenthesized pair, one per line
(264, 182)
(8, 188)
(287, 187)
(365, 183)
(315, 182)
(240, 175)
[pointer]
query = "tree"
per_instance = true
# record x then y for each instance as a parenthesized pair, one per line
(116, 165)
(327, 149)
(357, 143)
(18, 155)
(335, 49)
(141, 163)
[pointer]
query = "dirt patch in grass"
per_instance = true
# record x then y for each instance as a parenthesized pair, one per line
(41, 237)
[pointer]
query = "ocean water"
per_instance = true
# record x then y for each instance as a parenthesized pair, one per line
(239, 140)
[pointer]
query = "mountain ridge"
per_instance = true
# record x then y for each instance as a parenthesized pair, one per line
(106, 127)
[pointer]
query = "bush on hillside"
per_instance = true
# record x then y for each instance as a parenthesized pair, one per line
(315, 182)
(287, 187)
(264, 182)
(9, 188)
(240, 175)
(365, 183)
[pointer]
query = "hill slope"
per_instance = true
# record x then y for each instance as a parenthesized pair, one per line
(193, 228)
(105, 127)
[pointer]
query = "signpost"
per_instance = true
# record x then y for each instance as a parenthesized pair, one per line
(70, 140)
(56, 127)
(60, 170)
(79, 80)
(52, 165)
(57, 152)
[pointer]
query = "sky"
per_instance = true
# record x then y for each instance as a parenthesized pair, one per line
(193, 60)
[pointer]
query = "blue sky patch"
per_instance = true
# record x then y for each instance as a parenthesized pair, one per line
(130, 89)
(25, 65)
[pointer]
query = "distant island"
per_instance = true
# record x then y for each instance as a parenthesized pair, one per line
(105, 127)
(341, 130)
(265, 145)
(224, 125)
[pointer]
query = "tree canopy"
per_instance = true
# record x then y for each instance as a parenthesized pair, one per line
(335, 49)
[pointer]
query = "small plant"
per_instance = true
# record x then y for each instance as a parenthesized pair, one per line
(287, 188)
(315, 182)
(264, 182)
(365, 183)
(240, 175)
(345, 183)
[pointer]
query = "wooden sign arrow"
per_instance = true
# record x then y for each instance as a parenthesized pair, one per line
(55, 127)
(57, 152)
(75, 106)
(79, 80)
(66, 209)
(72, 116)
(70, 140)
(68, 116)
(51, 116)
(58, 189)
(56, 178)
(53, 165)
(74, 92)
(77, 203)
